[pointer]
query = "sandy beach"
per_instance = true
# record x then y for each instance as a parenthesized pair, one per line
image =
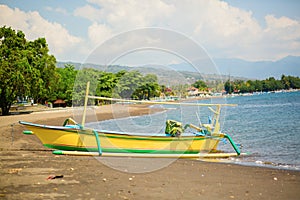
(27, 169)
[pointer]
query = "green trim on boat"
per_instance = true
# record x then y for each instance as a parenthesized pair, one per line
(113, 150)
(27, 132)
(58, 152)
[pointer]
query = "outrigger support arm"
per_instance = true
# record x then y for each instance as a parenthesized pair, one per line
(98, 142)
(237, 150)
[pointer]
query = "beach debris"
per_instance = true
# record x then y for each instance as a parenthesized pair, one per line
(14, 170)
(259, 162)
(104, 179)
(275, 179)
(54, 177)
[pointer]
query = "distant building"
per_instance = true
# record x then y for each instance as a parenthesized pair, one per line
(192, 91)
(59, 103)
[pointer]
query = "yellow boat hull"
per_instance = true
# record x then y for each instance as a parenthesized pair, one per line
(75, 139)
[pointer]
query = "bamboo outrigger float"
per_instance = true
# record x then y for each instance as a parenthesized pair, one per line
(75, 139)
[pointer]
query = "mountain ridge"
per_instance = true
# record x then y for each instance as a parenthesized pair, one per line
(234, 67)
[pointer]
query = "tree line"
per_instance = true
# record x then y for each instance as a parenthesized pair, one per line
(123, 84)
(269, 84)
(26, 68)
(28, 71)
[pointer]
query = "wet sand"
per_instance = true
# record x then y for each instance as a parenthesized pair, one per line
(26, 165)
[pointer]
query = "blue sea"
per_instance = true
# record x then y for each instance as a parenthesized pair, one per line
(265, 125)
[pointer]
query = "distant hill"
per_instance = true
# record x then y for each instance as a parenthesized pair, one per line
(289, 65)
(114, 68)
(168, 76)
(185, 73)
(260, 70)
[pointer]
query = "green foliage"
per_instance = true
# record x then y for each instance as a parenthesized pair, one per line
(290, 82)
(26, 68)
(42, 84)
(147, 88)
(65, 84)
(201, 85)
(107, 83)
(83, 76)
(71, 85)
(128, 84)
(269, 84)
(228, 86)
(131, 85)
(179, 90)
(215, 85)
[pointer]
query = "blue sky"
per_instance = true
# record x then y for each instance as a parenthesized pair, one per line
(260, 9)
(252, 30)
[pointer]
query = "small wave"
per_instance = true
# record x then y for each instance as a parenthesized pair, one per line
(249, 161)
(269, 105)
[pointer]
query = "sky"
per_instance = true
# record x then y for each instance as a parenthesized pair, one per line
(252, 30)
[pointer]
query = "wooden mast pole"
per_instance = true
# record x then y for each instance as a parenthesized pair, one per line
(85, 103)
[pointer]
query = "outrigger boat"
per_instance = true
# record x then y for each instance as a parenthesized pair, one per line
(75, 139)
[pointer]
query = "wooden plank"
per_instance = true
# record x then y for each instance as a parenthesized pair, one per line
(148, 155)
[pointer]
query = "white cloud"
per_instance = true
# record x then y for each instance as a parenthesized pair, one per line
(224, 30)
(127, 14)
(58, 10)
(282, 22)
(110, 18)
(88, 12)
(60, 41)
(282, 28)
(219, 25)
(281, 37)
(99, 33)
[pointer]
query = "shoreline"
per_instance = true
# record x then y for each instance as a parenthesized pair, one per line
(60, 114)
(25, 166)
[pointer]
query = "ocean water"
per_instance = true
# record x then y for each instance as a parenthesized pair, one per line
(266, 125)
